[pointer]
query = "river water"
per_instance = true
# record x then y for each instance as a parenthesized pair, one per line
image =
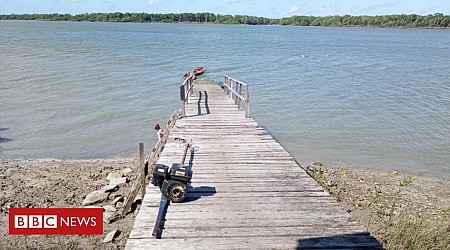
(360, 97)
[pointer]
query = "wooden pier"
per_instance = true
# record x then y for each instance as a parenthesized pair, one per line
(247, 191)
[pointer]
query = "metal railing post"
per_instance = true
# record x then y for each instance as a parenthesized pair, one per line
(247, 102)
(186, 90)
(183, 101)
(239, 91)
(230, 88)
(225, 83)
(236, 87)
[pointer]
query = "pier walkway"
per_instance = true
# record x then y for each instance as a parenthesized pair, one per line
(247, 191)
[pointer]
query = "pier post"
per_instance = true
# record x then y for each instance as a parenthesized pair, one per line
(247, 102)
(142, 169)
(230, 82)
(239, 91)
(183, 103)
(191, 87)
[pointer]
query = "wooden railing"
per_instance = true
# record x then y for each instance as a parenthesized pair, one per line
(146, 167)
(235, 88)
(186, 91)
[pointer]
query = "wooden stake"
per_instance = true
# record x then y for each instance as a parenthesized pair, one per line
(142, 169)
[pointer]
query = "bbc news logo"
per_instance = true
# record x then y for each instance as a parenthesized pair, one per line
(35, 221)
(55, 221)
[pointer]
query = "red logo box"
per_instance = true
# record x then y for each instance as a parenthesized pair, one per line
(56, 221)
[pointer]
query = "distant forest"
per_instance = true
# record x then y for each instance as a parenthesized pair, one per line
(437, 20)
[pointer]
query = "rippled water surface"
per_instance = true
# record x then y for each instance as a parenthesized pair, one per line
(371, 98)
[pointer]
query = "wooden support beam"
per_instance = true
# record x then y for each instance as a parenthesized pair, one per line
(141, 168)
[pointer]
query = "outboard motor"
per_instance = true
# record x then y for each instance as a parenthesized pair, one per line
(172, 182)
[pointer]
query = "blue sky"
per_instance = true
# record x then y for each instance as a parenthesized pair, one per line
(266, 8)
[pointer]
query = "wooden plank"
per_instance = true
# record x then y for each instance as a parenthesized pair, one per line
(241, 206)
(215, 232)
(255, 189)
(131, 196)
(287, 203)
(177, 219)
(267, 195)
(258, 223)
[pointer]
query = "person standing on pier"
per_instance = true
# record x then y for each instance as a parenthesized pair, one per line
(160, 131)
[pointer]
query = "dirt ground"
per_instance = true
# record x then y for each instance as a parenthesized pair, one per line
(60, 183)
(371, 197)
(375, 198)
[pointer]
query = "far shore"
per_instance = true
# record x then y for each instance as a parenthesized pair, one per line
(65, 183)
(437, 20)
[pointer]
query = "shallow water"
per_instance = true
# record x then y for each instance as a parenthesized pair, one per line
(363, 97)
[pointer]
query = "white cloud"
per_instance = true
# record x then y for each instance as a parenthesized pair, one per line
(153, 2)
(294, 9)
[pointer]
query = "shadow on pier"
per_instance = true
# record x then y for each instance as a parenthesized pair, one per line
(199, 103)
(344, 241)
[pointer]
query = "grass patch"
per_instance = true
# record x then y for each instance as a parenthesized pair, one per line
(395, 209)
(418, 232)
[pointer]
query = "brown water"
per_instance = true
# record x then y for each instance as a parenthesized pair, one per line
(373, 98)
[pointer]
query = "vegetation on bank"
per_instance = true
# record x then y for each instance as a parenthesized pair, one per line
(399, 215)
(437, 20)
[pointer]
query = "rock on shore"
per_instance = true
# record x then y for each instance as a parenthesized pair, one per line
(65, 183)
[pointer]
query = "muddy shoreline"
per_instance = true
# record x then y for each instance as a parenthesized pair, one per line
(61, 183)
(367, 195)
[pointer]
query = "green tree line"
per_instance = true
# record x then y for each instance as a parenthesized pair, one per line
(437, 20)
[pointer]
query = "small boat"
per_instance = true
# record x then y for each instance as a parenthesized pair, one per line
(198, 71)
